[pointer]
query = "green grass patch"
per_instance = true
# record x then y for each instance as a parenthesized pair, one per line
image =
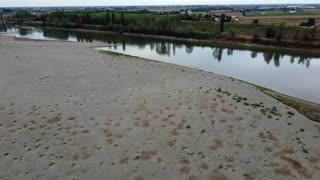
(309, 110)
(112, 53)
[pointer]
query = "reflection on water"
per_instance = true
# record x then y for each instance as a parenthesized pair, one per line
(292, 74)
(169, 49)
(3, 29)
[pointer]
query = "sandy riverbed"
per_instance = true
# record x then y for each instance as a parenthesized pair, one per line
(69, 112)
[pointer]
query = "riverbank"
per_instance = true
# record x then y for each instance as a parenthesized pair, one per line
(309, 109)
(69, 112)
(226, 41)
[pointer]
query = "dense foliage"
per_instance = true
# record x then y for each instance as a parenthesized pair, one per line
(117, 21)
(179, 25)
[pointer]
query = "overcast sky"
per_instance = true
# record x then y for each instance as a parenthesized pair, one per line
(11, 3)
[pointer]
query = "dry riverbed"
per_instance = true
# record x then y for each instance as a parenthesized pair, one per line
(70, 112)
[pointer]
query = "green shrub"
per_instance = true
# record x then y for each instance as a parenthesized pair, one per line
(255, 37)
(270, 33)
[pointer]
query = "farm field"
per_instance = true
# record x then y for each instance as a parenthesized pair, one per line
(282, 13)
(237, 28)
(293, 19)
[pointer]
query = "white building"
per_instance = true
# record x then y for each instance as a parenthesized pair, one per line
(186, 12)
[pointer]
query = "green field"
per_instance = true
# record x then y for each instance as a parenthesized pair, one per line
(212, 27)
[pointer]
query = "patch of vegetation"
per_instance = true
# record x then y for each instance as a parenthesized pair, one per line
(270, 112)
(219, 90)
(261, 134)
(305, 150)
(256, 105)
(309, 110)
(201, 154)
(263, 111)
(238, 99)
(136, 158)
(111, 53)
(290, 113)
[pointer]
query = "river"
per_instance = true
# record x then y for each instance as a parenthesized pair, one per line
(295, 74)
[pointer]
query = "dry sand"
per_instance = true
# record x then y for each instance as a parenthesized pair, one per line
(69, 112)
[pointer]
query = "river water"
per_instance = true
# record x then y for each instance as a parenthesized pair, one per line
(295, 74)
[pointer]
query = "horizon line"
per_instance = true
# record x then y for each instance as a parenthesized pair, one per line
(157, 5)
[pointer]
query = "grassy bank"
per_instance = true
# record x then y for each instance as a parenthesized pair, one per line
(112, 53)
(306, 108)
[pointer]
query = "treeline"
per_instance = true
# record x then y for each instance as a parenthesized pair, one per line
(280, 34)
(23, 14)
(115, 21)
(175, 25)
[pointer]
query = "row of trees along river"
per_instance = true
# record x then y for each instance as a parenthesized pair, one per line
(176, 25)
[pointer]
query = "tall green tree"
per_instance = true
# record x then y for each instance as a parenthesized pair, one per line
(311, 21)
(280, 34)
(296, 35)
(313, 32)
(79, 20)
(88, 20)
(222, 20)
(107, 18)
(113, 18)
(122, 19)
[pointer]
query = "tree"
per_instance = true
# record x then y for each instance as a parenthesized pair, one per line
(43, 19)
(280, 32)
(23, 14)
(222, 20)
(64, 21)
(56, 21)
(270, 33)
(122, 19)
(306, 36)
(189, 30)
(107, 18)
(255, 37)
(207, 17)
(311, 22)
(254, 54)
(88, 20)
(296, 35)
(78, 21)
(113, 18)
(313, 32)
